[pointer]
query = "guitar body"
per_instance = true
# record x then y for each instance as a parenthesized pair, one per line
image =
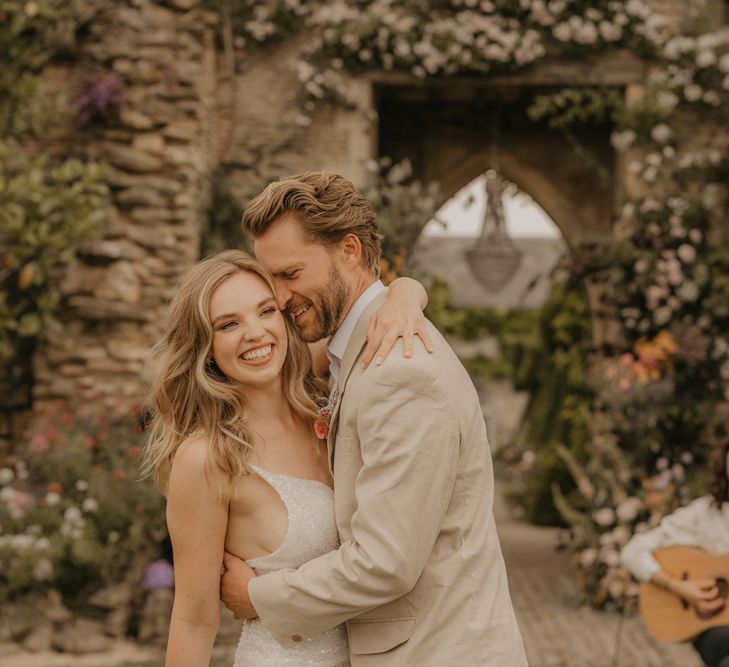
(667, 616)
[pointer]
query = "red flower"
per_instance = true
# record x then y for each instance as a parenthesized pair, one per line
(118, 475)
(134, 451)
(55, 487)
(321, 428)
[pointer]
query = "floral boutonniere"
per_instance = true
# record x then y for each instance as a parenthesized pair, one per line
(325, 412)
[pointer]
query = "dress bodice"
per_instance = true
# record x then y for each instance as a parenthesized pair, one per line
(311, 532)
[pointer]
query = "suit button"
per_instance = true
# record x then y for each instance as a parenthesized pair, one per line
(296, 638)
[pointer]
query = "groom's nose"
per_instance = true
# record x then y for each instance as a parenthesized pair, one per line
(283, 294)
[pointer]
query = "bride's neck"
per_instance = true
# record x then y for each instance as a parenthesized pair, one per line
(268, 405)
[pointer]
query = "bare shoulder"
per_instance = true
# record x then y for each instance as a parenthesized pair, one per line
(191, 461)
(192, 452)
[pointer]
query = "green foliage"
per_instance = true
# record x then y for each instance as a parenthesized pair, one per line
(47, 207)
(221, 217)
(46, 211)
(72, 509)
(403, 207)
(29, 31)
(572, 107)
(560, 398)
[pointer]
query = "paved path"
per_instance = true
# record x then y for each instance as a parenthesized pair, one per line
(556, 632)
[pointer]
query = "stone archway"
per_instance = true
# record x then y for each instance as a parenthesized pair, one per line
(445, 128)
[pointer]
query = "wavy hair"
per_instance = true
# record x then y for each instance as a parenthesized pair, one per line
(190, 395)
(718, 473)
(328, 207)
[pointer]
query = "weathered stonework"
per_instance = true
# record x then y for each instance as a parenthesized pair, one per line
(158, 152)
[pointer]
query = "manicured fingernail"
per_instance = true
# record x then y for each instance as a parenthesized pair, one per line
(408, 354)
(378, 361)
(430, 349)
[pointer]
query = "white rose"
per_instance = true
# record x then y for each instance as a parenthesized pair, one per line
(693, 92)
(42, 543)
(6, 475)
(711, 97)
(562, 32)
(72, 514)
(604, 517)
(610, 557)
(661, 133)
(705, 58)
(587, 557)
(622, 140)
(43, 570)
(90, 505)
(628, 509)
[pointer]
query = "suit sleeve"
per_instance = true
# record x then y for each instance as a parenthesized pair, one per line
(409, 442)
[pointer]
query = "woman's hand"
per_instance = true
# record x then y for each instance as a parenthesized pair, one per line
(401, 316)
(702, 594)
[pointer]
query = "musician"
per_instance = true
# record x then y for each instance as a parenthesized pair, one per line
(703, 523)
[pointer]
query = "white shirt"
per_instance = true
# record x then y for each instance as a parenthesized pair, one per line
(340, 340)
(700, 524)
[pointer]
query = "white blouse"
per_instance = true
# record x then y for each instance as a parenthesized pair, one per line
(700, 523)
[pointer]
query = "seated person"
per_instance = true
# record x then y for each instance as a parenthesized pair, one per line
(703, 523)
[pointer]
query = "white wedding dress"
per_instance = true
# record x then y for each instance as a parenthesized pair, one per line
(312, 532)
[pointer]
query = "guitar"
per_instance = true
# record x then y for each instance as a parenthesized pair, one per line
(672, 619)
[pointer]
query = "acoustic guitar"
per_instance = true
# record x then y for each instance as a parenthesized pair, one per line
(672, 619)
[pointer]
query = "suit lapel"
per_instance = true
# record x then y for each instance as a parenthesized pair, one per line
(351, 354)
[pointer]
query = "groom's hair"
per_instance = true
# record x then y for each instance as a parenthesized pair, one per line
(328, 207)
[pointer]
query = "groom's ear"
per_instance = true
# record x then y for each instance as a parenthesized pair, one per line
(351, 250)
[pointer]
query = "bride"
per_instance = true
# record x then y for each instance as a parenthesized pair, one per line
(233, 447)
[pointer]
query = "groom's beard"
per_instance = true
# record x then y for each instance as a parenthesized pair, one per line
(327, 309)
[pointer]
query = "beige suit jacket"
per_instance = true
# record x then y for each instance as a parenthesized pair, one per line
(419, 578)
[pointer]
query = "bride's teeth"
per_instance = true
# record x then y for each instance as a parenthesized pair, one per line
(260, 353)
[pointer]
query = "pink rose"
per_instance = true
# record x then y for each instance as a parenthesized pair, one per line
(321, 428)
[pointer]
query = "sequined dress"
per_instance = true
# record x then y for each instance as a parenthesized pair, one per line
(311, 532)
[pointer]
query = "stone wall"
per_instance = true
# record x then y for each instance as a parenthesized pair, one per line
(158, 152)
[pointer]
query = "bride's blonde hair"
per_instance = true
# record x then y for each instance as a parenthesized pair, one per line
(191, 396)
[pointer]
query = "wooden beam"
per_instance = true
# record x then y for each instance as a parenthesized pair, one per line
(616, 68)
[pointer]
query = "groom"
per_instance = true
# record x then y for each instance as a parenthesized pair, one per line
(419, 578)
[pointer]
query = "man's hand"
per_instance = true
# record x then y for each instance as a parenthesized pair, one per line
(702, 594)
(234, 586)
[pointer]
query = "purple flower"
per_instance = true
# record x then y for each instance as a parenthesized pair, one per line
(158, 575)
(105, 93)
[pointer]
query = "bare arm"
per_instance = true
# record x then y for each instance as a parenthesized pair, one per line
(197, 520)
(401, 316)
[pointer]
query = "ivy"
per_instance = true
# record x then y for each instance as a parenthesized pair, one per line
(48, 207)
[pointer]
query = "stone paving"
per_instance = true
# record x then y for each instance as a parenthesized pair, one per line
(557, 632)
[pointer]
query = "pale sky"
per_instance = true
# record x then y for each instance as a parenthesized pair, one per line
(524, 217)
